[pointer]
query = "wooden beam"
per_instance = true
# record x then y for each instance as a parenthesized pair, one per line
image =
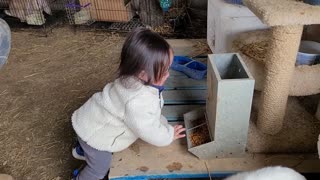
(184, 96)
(175, 112)
(184, 82)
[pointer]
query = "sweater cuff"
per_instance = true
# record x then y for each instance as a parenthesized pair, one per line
(171, 132)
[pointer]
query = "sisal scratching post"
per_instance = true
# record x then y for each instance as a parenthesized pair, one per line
(280, 66)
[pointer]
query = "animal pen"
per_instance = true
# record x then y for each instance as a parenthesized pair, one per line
(170, 18)
(35, 13)
(128, 14)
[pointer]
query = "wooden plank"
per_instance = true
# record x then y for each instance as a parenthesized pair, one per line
(176, 73)
(187, 176)
(126, 164)
(184, 82)
(184, 96)
(175, 112)
(185, 47)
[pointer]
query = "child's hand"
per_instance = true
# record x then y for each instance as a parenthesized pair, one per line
(178, 130)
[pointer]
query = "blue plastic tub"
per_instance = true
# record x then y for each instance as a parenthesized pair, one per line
(190, 67)
(312, 2)
(196, 70)
(179, 62)
(5, 42)
(309, 53)
(307, 59)
(234, 2)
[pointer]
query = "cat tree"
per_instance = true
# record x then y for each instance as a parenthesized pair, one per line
(279, 123)
(286, 18)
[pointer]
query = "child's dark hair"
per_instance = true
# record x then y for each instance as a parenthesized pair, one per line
(147, 51)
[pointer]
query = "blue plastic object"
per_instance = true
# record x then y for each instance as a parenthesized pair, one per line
(5, 42)
(309, 53)
(165, 5)
(190, 67)
(179, 62)
(312, 2)
(307, 59)
(234, 2)
(196, 70)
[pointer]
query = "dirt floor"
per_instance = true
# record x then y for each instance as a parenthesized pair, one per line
(45, 80)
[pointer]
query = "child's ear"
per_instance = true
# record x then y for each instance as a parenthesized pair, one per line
(143, 76)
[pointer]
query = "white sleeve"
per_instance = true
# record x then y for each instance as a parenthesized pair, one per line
(143, 117)
(164, 120)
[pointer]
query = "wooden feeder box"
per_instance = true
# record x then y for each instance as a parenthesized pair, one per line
(225, 120)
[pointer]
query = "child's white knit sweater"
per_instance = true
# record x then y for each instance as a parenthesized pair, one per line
(113, 119)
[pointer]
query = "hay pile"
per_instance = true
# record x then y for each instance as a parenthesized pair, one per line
(45, 80)
(256, 50)
(201, 48)
(164, 29)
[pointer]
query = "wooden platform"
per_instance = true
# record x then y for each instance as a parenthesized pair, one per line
(142, 161)
(284, 12)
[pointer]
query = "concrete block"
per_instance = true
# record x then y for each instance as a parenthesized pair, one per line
(226, 21)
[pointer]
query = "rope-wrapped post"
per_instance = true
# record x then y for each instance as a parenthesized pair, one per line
(280, 65)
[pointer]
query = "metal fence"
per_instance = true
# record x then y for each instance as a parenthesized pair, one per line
(114, 15)
(38, 15)
(125, 14)
(31, 12)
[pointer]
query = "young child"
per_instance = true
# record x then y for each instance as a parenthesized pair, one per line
(128, 108)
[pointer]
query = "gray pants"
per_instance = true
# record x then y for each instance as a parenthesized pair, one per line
(98, 163)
